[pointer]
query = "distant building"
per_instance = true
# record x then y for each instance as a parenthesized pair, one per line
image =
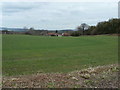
(10, 32)
(54, 34)
(4, 31)
(119, 9)
(65, 34)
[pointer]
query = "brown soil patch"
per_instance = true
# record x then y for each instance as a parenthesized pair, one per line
(97, 77)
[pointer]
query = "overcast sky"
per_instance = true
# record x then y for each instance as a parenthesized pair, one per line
(56, 15)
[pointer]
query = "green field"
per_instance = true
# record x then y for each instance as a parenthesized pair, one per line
(24, 54)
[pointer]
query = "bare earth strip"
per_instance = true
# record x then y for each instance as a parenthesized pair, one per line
(97, 77)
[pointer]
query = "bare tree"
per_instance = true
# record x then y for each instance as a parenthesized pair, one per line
(82, 27)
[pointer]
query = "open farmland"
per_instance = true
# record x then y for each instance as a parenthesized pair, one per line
(24, 54)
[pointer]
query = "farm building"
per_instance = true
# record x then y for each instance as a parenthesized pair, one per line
(65, 34)
(54, 34)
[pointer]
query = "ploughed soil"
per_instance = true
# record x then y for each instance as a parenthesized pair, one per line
(93, 77)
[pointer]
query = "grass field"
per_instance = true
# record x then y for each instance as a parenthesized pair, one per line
(24, 54)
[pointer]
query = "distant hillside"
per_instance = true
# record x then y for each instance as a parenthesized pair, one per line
(22, 30)
(62, 31)
(12, 29)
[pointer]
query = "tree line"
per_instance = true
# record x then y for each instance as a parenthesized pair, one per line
(111, 26)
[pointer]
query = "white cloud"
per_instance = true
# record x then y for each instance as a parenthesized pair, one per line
(59, 0)
(54, 15)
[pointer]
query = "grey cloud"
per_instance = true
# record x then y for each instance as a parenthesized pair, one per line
(12, 7)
